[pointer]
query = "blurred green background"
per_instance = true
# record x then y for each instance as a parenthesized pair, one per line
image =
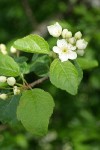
(75, 124)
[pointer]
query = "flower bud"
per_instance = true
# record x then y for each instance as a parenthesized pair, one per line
(3, 79)
(2, 46)
(78, 35)
(3, 96)
(80, 52)
(69, 34)
(55, 30)
(72, 40)
(16, 90)
(3, 49)
(13, 50)
(11, 81)
(81, 44)
(64, 33)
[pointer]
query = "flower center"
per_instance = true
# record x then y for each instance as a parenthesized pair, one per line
(65, 50)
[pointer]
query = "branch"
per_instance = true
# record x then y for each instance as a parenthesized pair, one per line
(39, 81)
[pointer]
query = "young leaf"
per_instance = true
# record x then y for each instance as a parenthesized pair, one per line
(86, 63)
(64, 76)
(8, 110)
(34, 110)
(8, 67)
(32, 44)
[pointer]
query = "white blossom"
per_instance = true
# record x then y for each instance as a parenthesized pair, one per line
(81, 44)
(64, 33)
(3, 96)
(78, 35)
(13, 50)
(16, 90)
(65, 50)
(11, 81)
(55, 30)
(3, 79)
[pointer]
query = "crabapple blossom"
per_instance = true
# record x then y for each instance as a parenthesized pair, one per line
(55, 30)
(65, 50)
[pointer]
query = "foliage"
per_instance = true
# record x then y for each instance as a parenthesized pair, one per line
(75, 121)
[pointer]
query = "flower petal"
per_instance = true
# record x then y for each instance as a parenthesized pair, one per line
(72, 55)
(62, 43)
(56, 49)
(81, 44)
(63, 57)
(71, 47)
(55, 30)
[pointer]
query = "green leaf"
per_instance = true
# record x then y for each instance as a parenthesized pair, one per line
(8, 110)
(86, 63)
(8, 67)
(32, 44)
(64, 76)
(34, 110)
(41, 61)
(24, 68)
(79, 70)
(3, 84)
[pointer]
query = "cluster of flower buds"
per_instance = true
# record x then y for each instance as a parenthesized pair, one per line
(16, 90)
(68, 46)
(11, 81)
(3, 49)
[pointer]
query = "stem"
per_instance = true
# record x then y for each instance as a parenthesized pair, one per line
(19, 84)
(28, 85)
(37, 81)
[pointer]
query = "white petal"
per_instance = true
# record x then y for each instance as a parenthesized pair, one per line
(71, 47)
(81, 44)
(56, 49)
(63, 57)
(62, 43)
(72, 55)
(55, 30)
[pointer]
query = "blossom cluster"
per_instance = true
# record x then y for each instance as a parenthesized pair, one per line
(11, 81)
(68, 46)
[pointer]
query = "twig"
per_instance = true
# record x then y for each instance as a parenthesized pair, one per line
(37, 82)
